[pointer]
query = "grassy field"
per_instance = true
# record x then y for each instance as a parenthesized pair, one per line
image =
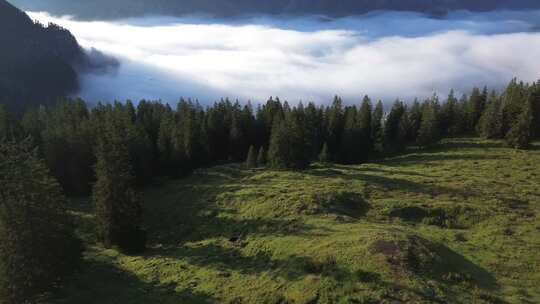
(456, 224)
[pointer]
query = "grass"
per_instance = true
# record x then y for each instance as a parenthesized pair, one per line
(459, 223)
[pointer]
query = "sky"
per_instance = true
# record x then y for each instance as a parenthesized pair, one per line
(386, 55)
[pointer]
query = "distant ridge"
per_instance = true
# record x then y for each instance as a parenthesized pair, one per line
(110, 9)
(36, 62)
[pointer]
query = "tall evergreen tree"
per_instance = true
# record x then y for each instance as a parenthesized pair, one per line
(448, 118)
(37, 241)
(394, 140)
(535, 97)
(288, 146)
(477, 105)
(377, 134)
(429, 132)
(350, 140)
(118, 211)
(334, 125)
(364, 123)
(520, 133)
(415, 121)
(491, 122)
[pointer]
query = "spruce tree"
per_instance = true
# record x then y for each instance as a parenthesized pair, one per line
(519, 135)
(118, 211)
(251, 161)
(364, 123)
(477, 105)
(377, 126)
(37, 241)
(429, 132)
(415, 121)
(261, 157)
(491, 123)
(288, 145)
(394, 139)
(535, 95)
(334, 125)
(279, 145)
(351, 140)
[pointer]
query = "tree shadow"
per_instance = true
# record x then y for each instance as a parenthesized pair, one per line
(465, 269)
(379, 169)
(220, 223)
(101, 282)
(394, 184)
(472, 143)
(428, 157)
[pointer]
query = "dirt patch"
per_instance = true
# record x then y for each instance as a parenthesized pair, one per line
(341, 203)
(411, 254)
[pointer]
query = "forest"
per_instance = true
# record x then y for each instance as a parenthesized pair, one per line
(162, 141)
(112, 151)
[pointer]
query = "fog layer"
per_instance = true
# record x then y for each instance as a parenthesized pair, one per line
(386, 55)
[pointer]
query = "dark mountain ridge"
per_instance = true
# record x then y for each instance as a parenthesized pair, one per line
(37, 63)
(107, 9)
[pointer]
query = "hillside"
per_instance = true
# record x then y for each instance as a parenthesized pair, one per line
(459, 223)
(36, 62)
(123, 8)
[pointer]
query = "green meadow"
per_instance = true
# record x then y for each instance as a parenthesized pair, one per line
(458, 223)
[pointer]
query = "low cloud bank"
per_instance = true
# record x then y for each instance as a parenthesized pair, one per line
(385, 54)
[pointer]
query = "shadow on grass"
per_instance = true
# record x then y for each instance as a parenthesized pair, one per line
(101, 282)
(428, 157)
(218, 224)
(394, 184)
(467, 270)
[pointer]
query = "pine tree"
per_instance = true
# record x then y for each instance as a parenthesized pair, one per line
(448, 116)
(377, 134)
(118, 211)
(429, 132)
(477, 105)
(251, 161)
(415, 121)
(364, 123)
(394, 139)
(288, 145)
(519, 135)
(279, 145)
(491, 123)
(535, 96)
(323, 156)
(37, 241)
(350, 149)
(261, 157)
(334, 124)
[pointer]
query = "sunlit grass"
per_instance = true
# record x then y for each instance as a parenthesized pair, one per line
(459, 223)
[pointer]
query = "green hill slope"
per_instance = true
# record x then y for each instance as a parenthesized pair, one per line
(457, 224)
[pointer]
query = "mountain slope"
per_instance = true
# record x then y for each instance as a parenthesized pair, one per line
(36, 62)
(125, 8)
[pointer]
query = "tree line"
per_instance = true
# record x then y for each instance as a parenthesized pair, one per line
(162, 141)
(112, 149)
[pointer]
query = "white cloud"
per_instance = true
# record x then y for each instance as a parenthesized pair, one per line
(385, 55)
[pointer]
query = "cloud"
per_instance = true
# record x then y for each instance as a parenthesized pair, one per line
(385, 54)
